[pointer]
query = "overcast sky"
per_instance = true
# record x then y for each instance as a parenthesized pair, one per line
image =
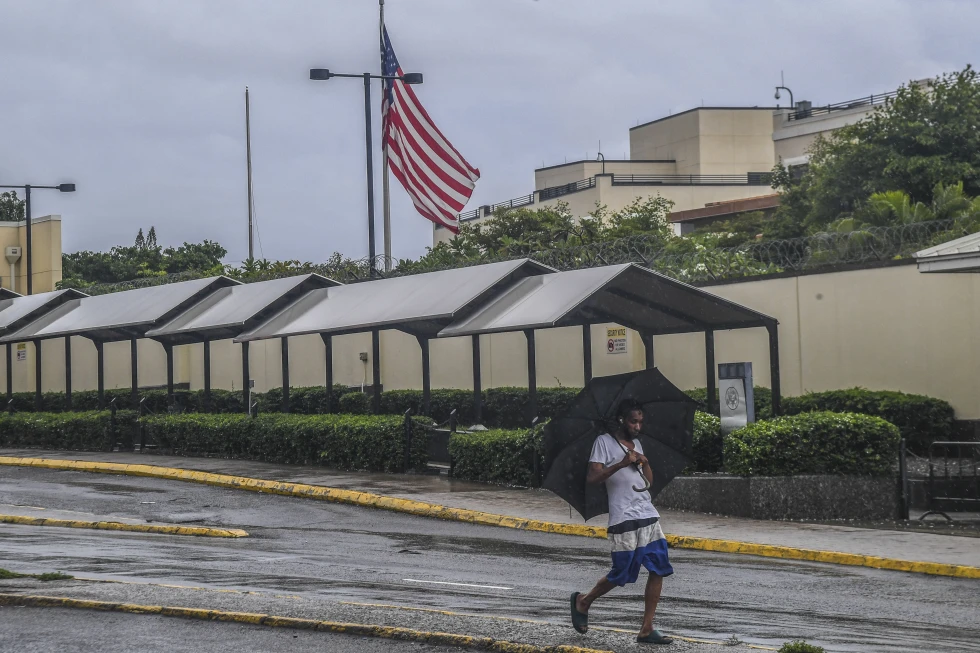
(141, 102)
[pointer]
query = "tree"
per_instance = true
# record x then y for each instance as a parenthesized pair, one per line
(924, 136)
(11, 208)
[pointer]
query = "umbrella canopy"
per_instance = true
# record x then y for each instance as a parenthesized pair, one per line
(666, 437)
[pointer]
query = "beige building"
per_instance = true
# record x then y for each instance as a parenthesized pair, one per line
(698, 158)
(46, 260)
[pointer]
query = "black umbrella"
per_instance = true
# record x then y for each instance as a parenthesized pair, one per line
(667, 435)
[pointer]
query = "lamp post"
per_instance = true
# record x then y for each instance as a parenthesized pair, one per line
(64, 188)
(322, 74)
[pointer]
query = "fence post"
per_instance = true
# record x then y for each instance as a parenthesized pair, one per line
(904, 480)
(139, 425)
(535, 458)
(452, 429)
(408, 439)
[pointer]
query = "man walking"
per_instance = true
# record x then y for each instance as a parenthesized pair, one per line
(634, 524)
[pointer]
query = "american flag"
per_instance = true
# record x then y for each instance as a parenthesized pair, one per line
(436, 176)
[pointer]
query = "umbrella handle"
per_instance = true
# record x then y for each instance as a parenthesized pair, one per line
(646, 483)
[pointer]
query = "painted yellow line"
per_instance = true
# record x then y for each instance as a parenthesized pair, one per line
(160, 529)
(419, 508)
(362, 630)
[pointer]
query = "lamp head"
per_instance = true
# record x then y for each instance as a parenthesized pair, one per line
(777, 93)
(66, 188)
(412, 78)
(320, 74)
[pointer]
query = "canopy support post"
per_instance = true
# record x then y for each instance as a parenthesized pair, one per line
(648, 349)
(328, 368)
(774, 380)
(168, 349)
(709, 370)
(376, 370)
(246, 380)
(10, 372)
(284, 354)
(426, 376)
(477, 379)
(587, 351)
(207, 376)
(532, 377)
(134, 371)
(67, 372)
(100, 356)
(38, 400)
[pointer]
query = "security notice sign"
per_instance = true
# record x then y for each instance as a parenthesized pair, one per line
(616, 341)
(22, 351)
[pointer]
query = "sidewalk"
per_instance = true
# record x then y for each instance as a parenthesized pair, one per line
(541, 504)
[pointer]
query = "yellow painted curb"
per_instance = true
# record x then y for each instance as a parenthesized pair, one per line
(419, 508)
(161, 529)
(362, 630)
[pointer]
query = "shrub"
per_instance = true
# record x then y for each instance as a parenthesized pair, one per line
(83, 431)
(813, 443)
(508, 407)
(355, 403)
(311, 400)
(441, 403)
(762, 400)
(708, 443)
(495, 456)
(921, 420)
(799, 646)
(372, 443)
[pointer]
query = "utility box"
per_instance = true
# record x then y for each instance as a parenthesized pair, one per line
(737, 404)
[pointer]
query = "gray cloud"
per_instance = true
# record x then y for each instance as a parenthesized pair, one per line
(140, 102)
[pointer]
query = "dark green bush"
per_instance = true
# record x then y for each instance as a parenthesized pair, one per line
(507, 408)
(799, 646)
(708, 443)
(921, 420)
(442, 402)
(373, 443)
(82, 431)
(354, 403)
(495, 456)
(762, 400)
(813, 443)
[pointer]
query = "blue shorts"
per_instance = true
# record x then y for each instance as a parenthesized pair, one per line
(634, 543)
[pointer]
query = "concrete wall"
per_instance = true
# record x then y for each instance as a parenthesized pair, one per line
(46, 260)
(792, 138)
(889, 328)
(709, 141)
(579, 170)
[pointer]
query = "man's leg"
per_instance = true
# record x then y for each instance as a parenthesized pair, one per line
(585, 600)
(651, 597)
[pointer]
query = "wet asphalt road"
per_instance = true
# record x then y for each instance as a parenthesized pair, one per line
(340, 553)
(43, 630)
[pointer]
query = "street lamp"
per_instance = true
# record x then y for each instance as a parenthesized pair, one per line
(64, 188)
(322, 74)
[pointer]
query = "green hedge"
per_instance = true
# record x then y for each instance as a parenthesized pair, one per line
(372, 443)
(762, 400)
(921, 420)
(708, 443)
(82, 431)
(813, 443)
(495, 456)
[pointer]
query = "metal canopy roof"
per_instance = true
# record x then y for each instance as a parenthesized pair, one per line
(18, 311)
(229, 311)
(960, 255)
(119, 316)
(629, 295)
(420, 303)
(9, 294)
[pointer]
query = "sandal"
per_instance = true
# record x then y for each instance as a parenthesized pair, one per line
(580, 620)
(655, 637)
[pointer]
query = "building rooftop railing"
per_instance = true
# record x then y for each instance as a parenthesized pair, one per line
(870, 100)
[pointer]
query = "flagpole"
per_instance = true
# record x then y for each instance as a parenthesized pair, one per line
(385, 203)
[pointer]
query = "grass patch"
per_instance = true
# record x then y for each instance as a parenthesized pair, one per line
(54, 575)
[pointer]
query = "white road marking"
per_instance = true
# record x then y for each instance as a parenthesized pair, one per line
(439, 582)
